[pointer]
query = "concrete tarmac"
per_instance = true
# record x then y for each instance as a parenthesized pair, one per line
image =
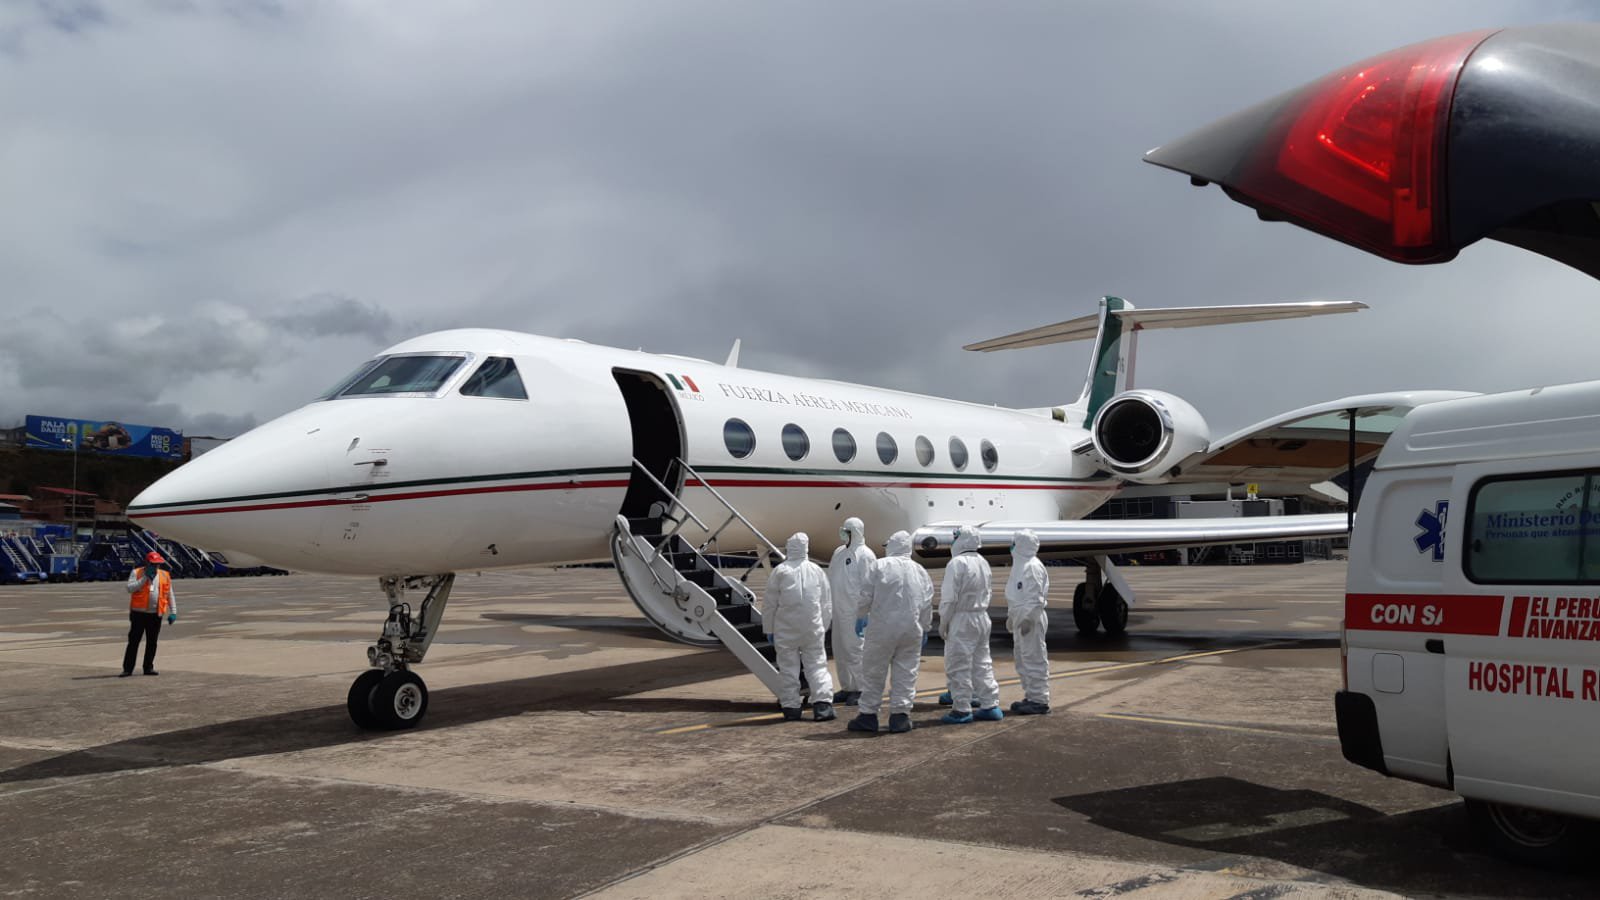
(570, 749)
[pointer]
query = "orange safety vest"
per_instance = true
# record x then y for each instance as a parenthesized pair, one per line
(140, 601)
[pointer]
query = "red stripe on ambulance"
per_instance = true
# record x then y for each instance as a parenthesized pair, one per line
(1431, 613)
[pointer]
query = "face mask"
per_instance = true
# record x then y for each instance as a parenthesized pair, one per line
(1013, 548)
(844, 535)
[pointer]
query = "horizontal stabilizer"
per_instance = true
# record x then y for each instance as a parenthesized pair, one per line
(1086, 327)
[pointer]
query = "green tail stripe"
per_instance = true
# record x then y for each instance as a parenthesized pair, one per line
(674, 379)
(1103, 374)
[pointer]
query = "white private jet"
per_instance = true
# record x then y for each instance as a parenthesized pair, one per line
(471, 449)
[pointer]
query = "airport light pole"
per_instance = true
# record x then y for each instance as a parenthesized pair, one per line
(72, 519)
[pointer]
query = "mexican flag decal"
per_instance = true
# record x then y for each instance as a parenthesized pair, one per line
(678, 381)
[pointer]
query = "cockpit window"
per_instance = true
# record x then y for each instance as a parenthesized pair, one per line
(411, 374)
(497, 377)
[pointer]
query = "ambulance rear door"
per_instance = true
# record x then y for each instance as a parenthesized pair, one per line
(1521, 695)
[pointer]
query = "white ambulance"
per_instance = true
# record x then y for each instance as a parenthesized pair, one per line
(1471, 637)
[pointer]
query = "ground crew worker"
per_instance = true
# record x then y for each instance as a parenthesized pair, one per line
(897, 603)
(965, 627)
(1026, 590)
(150, 587)
(795, 610)
(847, 575)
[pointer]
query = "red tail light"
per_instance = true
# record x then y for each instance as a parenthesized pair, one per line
(1361, 154)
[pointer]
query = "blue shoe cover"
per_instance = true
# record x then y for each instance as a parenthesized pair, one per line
(992, 714)
(945, 699)
(957, 718)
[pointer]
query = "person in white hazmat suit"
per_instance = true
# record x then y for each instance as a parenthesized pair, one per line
(964, 625)
(897, 603)
(795, 610)
(1026, 590)
(847, 575)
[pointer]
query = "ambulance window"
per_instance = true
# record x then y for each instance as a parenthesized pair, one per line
(958, 454)
(738, 438)
(844, 445)
(497, 377)
(888, 450)
(924, 451)
(1539, 530)
(991, 456)
(410, 374)
(795, 443)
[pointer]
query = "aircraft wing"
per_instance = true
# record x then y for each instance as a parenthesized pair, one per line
(1306, 446)
(1092, 537)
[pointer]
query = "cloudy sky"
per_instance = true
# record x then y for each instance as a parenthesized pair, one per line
(212, 210)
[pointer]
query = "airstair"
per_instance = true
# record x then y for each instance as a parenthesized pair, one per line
(20, 566)
(678, 589)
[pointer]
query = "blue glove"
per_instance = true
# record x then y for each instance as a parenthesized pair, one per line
(171, 618)
(861, 627)
(924, 640)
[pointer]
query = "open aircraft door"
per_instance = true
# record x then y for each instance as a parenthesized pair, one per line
(1419, 152)
(658, 439)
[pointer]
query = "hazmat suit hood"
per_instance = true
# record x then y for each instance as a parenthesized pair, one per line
(799, 549)
(855, 532)
(967, 540)
(1025, 545)
(899, 544)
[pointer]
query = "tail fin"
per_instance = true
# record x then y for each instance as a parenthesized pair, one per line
(1111, 364)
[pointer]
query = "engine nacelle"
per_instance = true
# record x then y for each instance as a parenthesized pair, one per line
(1141, 434)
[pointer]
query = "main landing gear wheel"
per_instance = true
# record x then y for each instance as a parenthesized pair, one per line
(359, 703)
(399, 701)
(1113, 611)
(1084, 614)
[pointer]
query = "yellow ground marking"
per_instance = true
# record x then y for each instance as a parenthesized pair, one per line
(934, 692)
(1215, 726)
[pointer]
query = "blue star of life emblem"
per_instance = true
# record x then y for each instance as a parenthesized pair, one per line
(1431, 535)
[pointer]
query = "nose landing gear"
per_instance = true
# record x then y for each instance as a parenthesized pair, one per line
(390, 696)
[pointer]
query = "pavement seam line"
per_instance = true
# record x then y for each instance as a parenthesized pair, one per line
(1216, 726)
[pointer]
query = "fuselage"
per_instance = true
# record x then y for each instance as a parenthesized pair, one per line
(381, 481)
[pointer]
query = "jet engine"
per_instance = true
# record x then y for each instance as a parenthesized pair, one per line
(1143, 435)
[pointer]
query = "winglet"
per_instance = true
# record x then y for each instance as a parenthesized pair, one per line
(733, 355)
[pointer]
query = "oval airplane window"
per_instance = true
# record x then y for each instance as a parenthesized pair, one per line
(958, 453)
(795, 443)
(844, 445)
(888, 450)
(924, 451)
(740, 440)
(990, 456)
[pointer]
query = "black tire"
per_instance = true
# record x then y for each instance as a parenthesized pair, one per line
(1531, 836)
(1083, 614)
(399, 701)
(1113, 611)
(360, 700)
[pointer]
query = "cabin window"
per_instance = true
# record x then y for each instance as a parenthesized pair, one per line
(409, 374)
(795, 443)
(958, 453)
(844, 445)
(924, 451)
(497, 377)
(738, 437)
(888, 450)
(990, 456)
(1528, 530)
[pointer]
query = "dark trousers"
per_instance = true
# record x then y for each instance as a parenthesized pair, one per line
(149, 625)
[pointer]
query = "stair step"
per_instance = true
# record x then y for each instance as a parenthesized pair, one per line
(724, 596)
(703, 577)
(645, 527)
(737, 614)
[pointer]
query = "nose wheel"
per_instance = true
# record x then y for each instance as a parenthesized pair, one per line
(389, 696)
(391, 701)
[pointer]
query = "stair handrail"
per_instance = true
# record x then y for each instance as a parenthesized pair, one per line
(688, 470)
(667, 492)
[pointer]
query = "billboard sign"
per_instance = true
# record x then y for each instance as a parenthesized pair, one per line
(110, 438)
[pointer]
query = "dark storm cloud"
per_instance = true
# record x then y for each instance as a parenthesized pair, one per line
(855, 190)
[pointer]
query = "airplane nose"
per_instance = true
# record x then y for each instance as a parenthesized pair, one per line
(262, 494)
